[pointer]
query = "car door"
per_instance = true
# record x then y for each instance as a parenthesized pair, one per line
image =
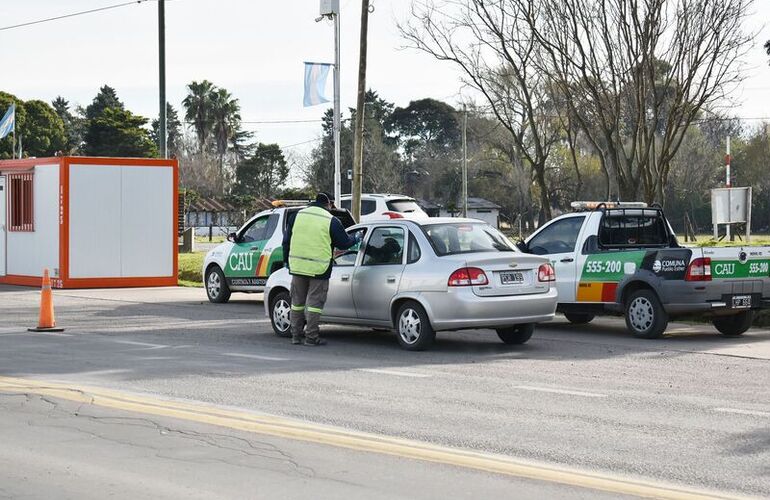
(378, 275)
(557, 240)
(339, 300)
(241, 269)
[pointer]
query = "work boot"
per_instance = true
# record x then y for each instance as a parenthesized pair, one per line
(296, 340)
(315, 341)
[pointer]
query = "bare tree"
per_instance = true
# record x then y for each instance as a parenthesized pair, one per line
(636, 73)
(490, 42)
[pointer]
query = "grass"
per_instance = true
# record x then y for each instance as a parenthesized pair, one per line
(190, 269)
(205, 239)
(707, 240)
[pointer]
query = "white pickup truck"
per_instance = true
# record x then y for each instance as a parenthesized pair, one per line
(625, 259)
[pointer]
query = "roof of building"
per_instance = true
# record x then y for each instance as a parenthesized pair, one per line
(215, 205)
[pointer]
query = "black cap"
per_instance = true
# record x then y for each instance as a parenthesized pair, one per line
(323, 198)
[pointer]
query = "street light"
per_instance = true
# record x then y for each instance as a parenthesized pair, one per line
(331, 9)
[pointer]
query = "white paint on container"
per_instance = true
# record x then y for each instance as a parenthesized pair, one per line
(95, 218)
(147, 222)
(28, 253)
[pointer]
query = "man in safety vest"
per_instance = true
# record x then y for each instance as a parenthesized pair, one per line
(308, 245)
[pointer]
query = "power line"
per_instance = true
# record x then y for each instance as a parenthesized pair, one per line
(65, 16)
(301, 143)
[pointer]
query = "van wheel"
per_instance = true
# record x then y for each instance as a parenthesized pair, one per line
(516, 334)
(579, 318)
(734, 325)
(280, 314)
(413, 328)
(645, 316)
(216, 286)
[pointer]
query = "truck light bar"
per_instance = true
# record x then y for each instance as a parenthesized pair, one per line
(593, 205)
(290, 203)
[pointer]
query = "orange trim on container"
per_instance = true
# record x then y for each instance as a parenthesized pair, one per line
(15, 279)
(119, 282)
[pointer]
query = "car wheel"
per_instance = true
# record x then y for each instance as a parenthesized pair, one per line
(280, 314)
(216, 286)
(516, 334)
(579, 318)
(734, 325)
(645, 316)
(413, 328)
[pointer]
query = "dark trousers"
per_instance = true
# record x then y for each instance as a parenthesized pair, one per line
(308, 296)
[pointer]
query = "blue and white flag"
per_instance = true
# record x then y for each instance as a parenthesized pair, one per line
(315, 82)
(8, 121)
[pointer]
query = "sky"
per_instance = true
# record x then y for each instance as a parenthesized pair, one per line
(254, 49)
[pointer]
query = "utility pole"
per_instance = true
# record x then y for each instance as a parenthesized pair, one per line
(728, 185)
(358, 150)
(465, 161)
(337, 124)
(162, 134)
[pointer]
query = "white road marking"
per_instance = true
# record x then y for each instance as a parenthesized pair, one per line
(254, 356)
(141, 344)
(397, 373)
(560, 391)
(51, 334)
(754, 413)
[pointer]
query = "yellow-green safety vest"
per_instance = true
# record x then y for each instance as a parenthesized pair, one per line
(310, 248)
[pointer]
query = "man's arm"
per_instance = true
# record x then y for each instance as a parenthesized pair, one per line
(340, 238)
(287, 237)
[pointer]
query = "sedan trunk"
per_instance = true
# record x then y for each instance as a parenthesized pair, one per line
(508, 273)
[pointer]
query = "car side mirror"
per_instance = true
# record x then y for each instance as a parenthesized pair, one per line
(522, 245)
(231, 237)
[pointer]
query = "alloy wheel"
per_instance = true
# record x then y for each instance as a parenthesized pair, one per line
(214, 284)
(409, 326)
(641, 314)
(281, 315)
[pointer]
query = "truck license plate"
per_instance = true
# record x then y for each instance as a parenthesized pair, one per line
(741, 301)
(511, 278)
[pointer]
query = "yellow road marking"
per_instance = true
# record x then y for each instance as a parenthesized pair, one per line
(343, 438)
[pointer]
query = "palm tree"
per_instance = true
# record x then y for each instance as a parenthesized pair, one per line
(226, 122)
(198, 109)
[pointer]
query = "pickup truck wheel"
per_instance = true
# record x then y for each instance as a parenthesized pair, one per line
(645, 316)
(413, 329)
(516, 334)
(735, 325)
(216, 286)
(579, 318)
(280, 311)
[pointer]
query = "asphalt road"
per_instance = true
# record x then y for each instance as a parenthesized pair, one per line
(692, 409)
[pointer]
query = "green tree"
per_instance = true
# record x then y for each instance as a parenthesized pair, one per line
(6, 144)
(426, 124)
(198, 110)
(226, 122)
(118, 132)
(43, 133)
(263, 173)
(74, 125)
(106, 98)
(173, 131)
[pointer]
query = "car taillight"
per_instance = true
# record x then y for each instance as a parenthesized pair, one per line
(546, 273)
(699, 270)
(393, 215)
(468, 276)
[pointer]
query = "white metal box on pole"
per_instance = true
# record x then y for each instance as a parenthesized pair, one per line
(731, 206)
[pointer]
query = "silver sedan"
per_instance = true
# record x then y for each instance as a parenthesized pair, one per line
(423, 276)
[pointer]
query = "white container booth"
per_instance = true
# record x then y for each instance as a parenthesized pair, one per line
(93, 222)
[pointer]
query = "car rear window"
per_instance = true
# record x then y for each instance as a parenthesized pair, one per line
(623, 229)
(403, 206)
(453, 238)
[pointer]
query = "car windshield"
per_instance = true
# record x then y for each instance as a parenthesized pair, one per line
(465, 237)
(404, 206)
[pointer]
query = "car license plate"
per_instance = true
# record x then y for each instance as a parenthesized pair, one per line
(512, 278)
(741, 301)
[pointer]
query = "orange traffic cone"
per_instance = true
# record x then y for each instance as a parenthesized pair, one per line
(46, 323)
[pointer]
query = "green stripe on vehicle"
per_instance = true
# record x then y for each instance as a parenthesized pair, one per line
(612, 266)
(723, 269)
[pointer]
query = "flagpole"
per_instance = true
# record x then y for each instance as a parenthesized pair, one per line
(337, 178)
